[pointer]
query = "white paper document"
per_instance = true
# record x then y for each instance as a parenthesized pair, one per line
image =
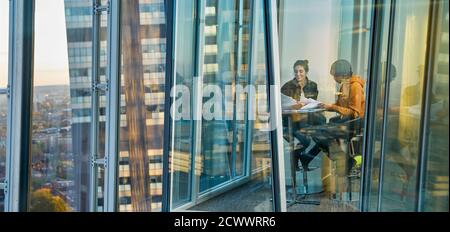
(287, 102)
(310, 104)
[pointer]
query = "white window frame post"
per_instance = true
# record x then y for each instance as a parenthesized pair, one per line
(112, 108)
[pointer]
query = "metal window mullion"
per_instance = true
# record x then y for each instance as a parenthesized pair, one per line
(252, 54)
(372, 91)
(18, 148)
(95, 80)
(433, 22)
(273, 71)
(197, 96)
(386, 101)
(238, 60)
(113, 108)
(173, 70)
(170, 6)
(11, 195)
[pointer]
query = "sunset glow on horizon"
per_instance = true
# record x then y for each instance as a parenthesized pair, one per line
(51, 63)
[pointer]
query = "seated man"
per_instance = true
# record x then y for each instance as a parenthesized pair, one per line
(351, 101)
(350, 106)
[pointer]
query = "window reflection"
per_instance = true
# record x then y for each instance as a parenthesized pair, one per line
(234, 159)
(260, 153)
(182, 142)
(404, 106)
(436, 190)
(142, 98)
(217, 134)
(379, 112)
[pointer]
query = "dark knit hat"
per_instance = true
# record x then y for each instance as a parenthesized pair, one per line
(341, 68)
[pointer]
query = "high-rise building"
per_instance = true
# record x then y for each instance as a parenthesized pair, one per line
(142, 95)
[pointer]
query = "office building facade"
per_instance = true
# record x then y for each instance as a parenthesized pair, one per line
(210, 105)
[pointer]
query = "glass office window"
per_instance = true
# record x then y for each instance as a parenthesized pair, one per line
(4, 35)
(258, 150)
(436, 189)
(324, 53)
(380, 106)
(404, 106)
(61, 106)
(217, 73)
(241, 98)
(254, 192)
(141, 135)
(230, 166)
(224, 77)
(182, 141)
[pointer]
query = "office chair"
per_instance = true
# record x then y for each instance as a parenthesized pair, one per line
(305, 158)
(350, 133)
(353, 167)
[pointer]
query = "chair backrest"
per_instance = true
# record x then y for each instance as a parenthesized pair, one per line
(351, 126)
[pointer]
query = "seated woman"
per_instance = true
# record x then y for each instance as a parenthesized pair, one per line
(300, 85)
(301, 88)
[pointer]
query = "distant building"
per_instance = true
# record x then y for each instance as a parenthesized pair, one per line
(153, 47)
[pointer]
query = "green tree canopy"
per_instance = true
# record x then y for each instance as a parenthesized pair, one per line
(43, 201)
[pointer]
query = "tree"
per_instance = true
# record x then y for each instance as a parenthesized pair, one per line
(43, 201)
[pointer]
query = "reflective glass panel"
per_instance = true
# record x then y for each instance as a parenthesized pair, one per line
(436, 189)
(181, 165)
(220, 154)
(404, 106)
(61, 106)
(380, 104)
(218, 70)
(143, 43)
(258, 150)
(235, 130)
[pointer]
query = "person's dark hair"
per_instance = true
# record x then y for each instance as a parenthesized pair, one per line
(341, 68)
(393, 71)
(303, 63)
(310, 91)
